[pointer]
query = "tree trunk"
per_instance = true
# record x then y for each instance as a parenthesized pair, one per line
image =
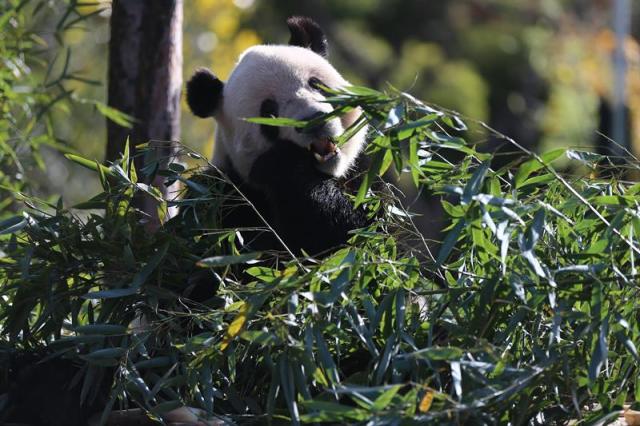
(124, 48)
(145, 80)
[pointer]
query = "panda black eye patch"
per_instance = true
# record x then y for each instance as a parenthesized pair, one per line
(269, 108)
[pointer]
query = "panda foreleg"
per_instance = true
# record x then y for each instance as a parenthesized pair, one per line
(307, 207)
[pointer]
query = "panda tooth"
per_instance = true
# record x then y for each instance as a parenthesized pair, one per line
(318, 157)
(329, 156)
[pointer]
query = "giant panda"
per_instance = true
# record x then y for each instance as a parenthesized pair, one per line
(293, 178)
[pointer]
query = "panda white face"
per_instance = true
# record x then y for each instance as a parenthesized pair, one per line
(279, 81)
(282, 81)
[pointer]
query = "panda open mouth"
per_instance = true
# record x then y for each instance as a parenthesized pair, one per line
(324, 149)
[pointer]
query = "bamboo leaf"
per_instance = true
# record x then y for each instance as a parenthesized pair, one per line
(426, 401)
(218, 261)
(450, 241)
(235, 327)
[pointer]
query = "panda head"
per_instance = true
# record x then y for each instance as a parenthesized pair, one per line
(279, 81)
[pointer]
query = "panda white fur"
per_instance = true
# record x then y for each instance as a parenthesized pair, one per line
(293, 177)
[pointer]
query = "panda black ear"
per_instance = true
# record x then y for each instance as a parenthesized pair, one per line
(204, 93)
(305, 32)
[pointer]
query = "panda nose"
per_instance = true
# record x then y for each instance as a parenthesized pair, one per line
(312, 130)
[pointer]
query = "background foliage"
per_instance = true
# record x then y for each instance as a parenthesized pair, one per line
(40, 89)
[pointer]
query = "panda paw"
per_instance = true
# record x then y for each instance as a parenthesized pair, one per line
(285, 163)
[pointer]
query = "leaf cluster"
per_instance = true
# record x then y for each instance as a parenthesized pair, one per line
(524, 313)
(35, 79)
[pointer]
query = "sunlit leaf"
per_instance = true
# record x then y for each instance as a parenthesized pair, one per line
(425, 402)
(217, 261)
(235, 327)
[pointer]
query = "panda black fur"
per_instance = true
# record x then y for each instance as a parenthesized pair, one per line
(295, 179)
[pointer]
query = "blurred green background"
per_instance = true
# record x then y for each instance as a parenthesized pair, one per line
(536, 71)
